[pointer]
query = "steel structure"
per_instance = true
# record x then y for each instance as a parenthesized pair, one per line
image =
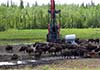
(53, 28)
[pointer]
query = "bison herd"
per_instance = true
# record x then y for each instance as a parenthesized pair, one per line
(89, 48)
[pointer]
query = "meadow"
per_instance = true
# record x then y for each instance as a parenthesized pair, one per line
(13, 36)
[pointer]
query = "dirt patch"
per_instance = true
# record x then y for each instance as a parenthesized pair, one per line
(79, 63)
(75, 64)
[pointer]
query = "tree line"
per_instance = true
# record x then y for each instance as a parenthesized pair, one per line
(37, 17)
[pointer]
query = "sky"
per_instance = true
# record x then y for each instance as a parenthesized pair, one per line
(40, 2)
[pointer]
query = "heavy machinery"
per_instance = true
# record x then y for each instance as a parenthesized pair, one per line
(53, 28)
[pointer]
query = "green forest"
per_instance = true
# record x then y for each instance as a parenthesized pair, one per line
(37, 17)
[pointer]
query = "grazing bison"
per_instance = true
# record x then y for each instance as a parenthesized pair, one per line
(23, 49)
(99, 53)
(45, 48)
(79, 41)
(97, 49)
(91, 40)
(82, 51)
(42, 46)
(64, 46)
(14, 57)
(70, 46)
(97, 40)
(58, 48)
(91, 46)
(92, 54)
(55, 48)
(52, 50)
(75, 53)
(38, 53)
(67, 53)
(29, 50)
(9, 48)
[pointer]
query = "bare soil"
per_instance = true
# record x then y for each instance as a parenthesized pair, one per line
(6, 56)
(72, 64)
(66, 64)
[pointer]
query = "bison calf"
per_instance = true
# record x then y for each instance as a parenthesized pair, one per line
(9, 48)
(14, 57)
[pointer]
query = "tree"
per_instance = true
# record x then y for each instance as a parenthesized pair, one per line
(28, 5)
(92, 3)
(21, 4)
(36, 4)
(8, 3)
(11, 3)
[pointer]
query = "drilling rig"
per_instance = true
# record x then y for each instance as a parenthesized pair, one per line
(53, 27)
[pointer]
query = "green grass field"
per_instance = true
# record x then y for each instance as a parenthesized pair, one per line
(29, 36)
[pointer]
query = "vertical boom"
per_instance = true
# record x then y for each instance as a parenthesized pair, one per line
(53, 27)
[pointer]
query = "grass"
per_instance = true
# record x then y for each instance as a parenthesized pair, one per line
(43, 68)
(47, 67)
(21, 36)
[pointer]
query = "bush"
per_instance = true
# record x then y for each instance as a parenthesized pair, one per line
(3, 27)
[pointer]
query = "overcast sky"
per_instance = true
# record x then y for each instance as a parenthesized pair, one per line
(40, 2)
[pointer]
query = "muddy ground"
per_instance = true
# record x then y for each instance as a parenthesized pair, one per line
(75, 64)
(82, 63)
(6, 56)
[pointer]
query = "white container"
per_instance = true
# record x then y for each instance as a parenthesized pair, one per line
(70, 38)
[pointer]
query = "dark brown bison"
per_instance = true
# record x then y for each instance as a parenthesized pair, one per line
(45, 49)
(64, 46)
(29, 50)
(91, 40)
(82, 51)
(91, 46)
(75, 53)
(9, 48)
(92, 54)
(38, 53)
(55, 48)
(70, 46)
(67, 53)
(97, 40)
(52, 50)
(23, 49)
(14, 57)
(99, 53)
(97, 49)
(58, 48)
(42, 46)
(79, 41)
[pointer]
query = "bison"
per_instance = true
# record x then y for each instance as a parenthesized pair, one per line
(38, 53)
(29, 50)
(14, 57)
(23, 49)
(9, 48)
(67, 53)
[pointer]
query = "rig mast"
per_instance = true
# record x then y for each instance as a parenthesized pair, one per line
(53, 28)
